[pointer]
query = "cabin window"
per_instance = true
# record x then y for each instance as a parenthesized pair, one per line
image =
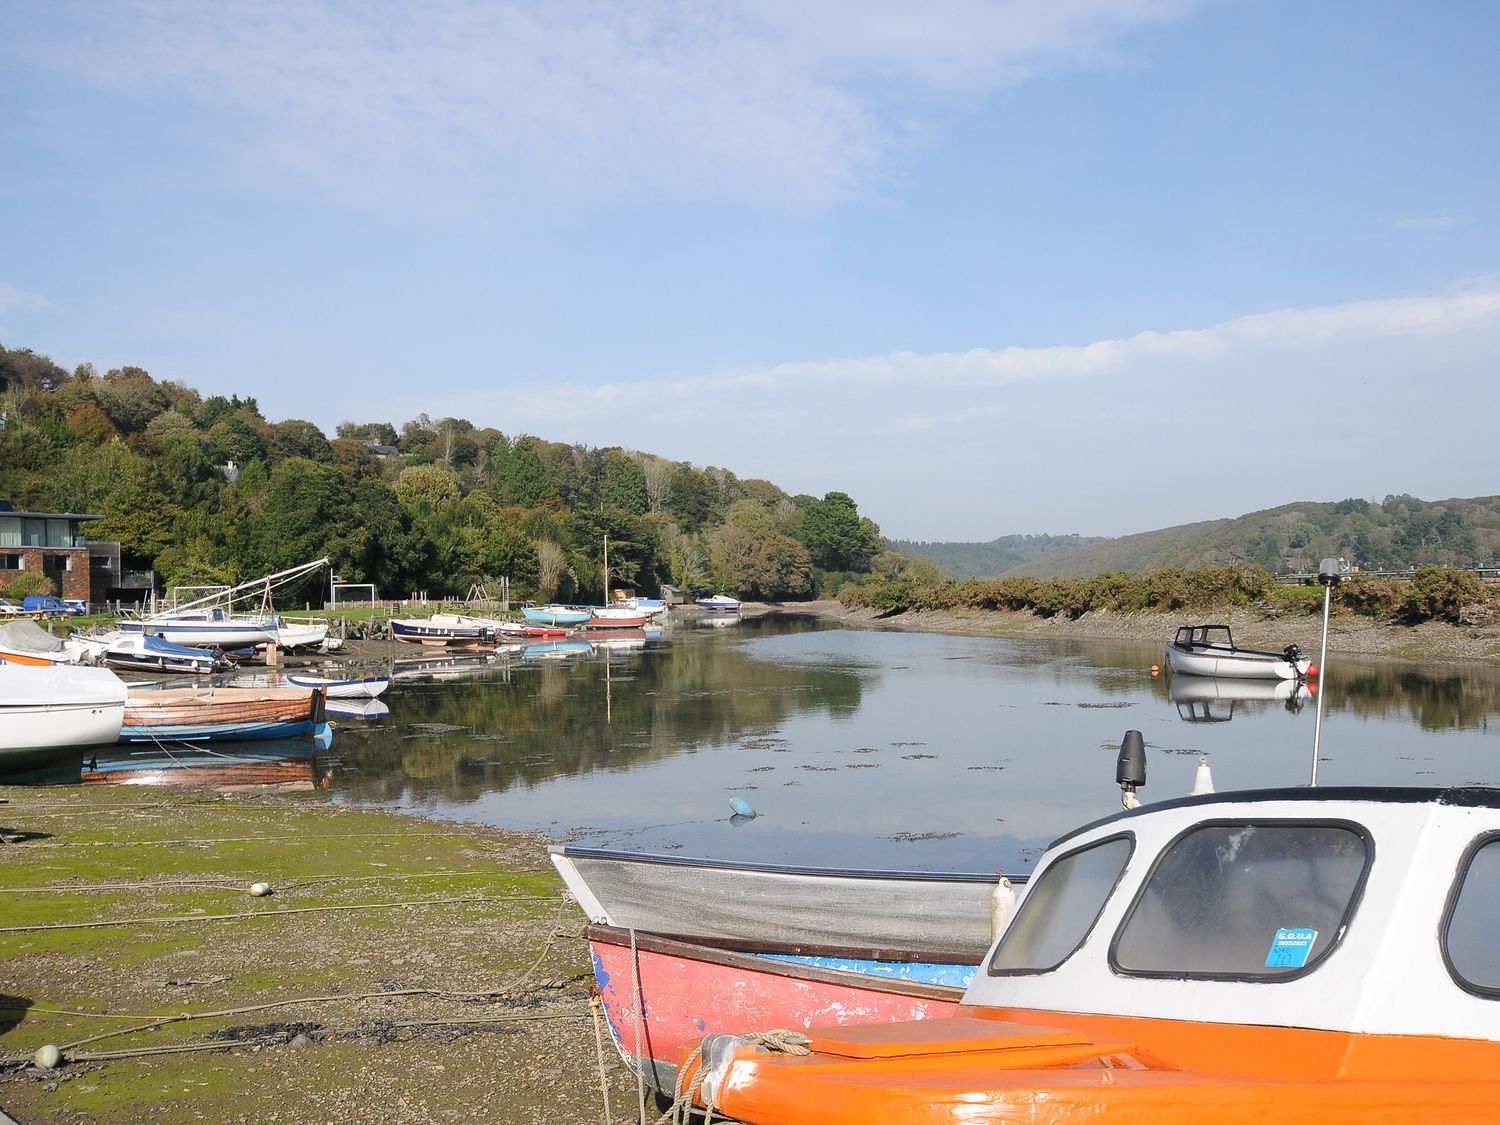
(1471, 936)
(1060, 908)
(1245, 901)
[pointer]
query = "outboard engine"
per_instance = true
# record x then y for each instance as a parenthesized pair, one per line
(1130, 768)
(1293, 653)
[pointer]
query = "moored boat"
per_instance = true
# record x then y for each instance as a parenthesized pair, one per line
(45, 711)
(25, 642)
(616, 617)
(773, 902)
(145, 652)
(420, 630)
(1209, 650)
(207, 626)
(721, 602)
(301, 634)
(1314, 954)
(565, 616)
(672, 990)
(221, 714)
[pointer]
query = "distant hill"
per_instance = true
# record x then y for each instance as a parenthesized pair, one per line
(1395, 534)
(1007, 555)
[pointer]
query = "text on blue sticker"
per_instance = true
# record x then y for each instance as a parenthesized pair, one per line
(1290, 949)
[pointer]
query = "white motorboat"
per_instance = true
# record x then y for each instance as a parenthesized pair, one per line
(1209, 650)
(44, 710)
(360, 687)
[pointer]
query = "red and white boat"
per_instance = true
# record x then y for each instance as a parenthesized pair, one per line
(617, 617)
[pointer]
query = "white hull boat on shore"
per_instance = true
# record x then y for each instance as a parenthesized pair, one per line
(45, 710)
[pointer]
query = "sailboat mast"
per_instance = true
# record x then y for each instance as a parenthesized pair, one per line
(606, 570)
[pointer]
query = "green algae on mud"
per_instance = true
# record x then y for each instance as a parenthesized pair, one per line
(453, 986)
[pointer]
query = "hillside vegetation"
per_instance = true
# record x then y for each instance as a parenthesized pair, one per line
(209, 491)
(1396, 534)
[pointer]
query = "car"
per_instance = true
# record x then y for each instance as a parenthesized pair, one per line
(50, 605)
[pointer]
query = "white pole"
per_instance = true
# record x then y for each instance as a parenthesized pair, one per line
(1329, 573)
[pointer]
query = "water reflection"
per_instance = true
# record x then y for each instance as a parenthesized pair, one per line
(878, 748)
(1208, 699)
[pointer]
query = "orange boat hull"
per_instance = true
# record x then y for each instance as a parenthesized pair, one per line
(1049, 1068)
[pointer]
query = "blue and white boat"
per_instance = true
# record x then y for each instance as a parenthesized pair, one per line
(720, 602)
(146, 652)
(565, 616)
(419, 630)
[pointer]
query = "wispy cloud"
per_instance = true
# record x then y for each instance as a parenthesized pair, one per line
(13, 298)
(1434, 221)
(771, 101)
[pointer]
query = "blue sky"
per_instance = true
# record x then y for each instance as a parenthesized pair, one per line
(1092, 266)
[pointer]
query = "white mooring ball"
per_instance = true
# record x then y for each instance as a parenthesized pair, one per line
(260, 890)
(48, 1057)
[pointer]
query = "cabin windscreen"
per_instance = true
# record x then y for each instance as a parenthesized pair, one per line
(1060, 908)
(1471, 938)
(1245, 901)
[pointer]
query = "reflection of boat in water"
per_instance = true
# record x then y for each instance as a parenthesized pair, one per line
(719, 620)
(452, 667)
(620, 640)
(556, 650)
(295, 763)
(359, 708)
(1209, 650)
(1208, 699)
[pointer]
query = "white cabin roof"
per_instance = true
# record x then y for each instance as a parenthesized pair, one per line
(1383, 970)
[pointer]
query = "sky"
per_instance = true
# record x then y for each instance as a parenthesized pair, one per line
(1060, 266)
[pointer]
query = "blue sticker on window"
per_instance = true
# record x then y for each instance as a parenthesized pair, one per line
(1290, 949)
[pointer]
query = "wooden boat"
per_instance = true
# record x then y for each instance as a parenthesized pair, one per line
(221, 714)
(207, 626)
(767, 903)
(145, 652)
(360, 687)
(560, 615)
(662, 996)
(1318, 955)
(1209, 650)
(721, 602)
(419, 630)
(44, 711)
(616, 617)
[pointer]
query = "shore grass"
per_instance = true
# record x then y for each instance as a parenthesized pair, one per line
(461, 992)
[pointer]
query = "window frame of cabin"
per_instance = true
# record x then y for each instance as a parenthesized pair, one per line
(1455, 894)
(1129, 839)
(1318, 956)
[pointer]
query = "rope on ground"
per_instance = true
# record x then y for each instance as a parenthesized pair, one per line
(210, 885)
(279, 913)
(298, 838)
(599, 1054)
(175, 1048)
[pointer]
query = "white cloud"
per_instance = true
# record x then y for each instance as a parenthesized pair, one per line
(382, 100)
(13, 298)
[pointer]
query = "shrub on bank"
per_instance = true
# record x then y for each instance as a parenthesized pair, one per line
(1433, 593)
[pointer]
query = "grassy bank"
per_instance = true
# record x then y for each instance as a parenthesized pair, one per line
(401, 970)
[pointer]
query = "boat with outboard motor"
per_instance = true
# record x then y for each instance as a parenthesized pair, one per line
(146, 652)
(1325, 955)
(1209, 650)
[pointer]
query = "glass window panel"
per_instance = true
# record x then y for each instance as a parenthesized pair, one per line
(1473, 935)
(33, 533)
(1060, 908)
(10, 531)
(1244, 900)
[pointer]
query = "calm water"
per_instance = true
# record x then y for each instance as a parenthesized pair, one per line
(870, 748)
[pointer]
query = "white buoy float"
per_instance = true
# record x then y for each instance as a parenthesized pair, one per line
(1203, 779)
(47, 1056)
(260, 890)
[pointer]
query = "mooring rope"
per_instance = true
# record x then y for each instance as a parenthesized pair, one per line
(599, 1055)
(778, 1040)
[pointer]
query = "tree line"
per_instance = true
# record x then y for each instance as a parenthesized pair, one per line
(207, 490)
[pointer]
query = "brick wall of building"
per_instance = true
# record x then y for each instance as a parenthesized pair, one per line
(73, 583)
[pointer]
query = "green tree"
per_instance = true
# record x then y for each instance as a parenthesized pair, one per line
(836, 536)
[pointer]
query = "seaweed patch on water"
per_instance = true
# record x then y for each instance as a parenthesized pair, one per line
(761, 769)
(1106, 706)
(986, 767)
(908, 744)
(916, 757)
(818, 769)
(861, 765)
(917, 837)
(763, 743)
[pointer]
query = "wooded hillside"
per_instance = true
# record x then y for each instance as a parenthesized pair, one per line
(208, 490)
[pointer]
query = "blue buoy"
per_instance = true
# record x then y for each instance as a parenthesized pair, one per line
(740, 807)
